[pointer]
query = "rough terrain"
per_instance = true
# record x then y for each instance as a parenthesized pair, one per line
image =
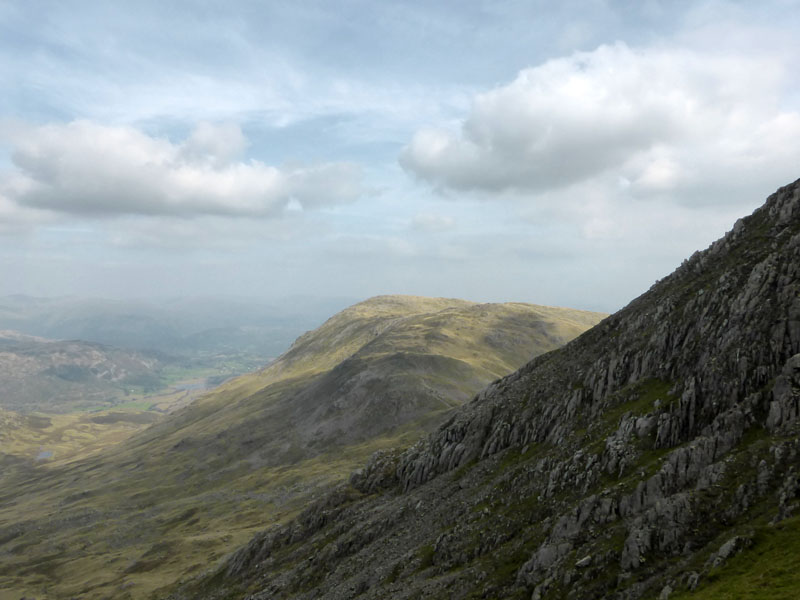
(656, 456)
(132, 518)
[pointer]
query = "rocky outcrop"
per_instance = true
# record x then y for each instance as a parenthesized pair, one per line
(614, 467)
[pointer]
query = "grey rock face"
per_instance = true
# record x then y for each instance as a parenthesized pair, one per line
(584, 562)
(784, 407)
(605, 469)
(733, 546)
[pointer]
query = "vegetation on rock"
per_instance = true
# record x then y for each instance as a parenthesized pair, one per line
(656, 456)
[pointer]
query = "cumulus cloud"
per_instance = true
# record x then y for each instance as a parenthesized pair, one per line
(214, 144)
(90, 169)
(661, 121)
(15, 219)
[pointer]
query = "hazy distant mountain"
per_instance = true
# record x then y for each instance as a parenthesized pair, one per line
(198, 484)
(37, 374)
(184, 326)
(656, 456)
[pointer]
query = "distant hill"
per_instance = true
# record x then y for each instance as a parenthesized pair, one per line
(391, 361)
(38, 374)
(180, 495)
(184, 327)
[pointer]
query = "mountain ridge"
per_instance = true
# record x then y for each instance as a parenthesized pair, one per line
(630, 463)
(202, 480)
(363, 353)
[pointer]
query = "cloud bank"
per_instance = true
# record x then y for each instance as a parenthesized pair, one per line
(656, 121)
(86, 169)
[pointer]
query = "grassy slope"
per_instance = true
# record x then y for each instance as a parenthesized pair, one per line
(769, 570)
(460, 326)
(66, 437)
(173, 500)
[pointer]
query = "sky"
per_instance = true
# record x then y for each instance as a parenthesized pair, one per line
(567, 153)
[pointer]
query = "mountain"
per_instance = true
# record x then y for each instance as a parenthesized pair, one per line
(655, 456)
(386, 363)
(38, 374)
(200, 482)
(248, 330)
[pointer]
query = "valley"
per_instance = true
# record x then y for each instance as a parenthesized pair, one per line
(143, 504)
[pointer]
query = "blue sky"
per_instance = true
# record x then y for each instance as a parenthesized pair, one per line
(560, 153)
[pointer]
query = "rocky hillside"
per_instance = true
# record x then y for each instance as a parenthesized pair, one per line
(656, 456)
(199, 483)
(38, 374)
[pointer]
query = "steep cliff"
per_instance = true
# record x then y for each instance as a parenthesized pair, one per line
(636, 461)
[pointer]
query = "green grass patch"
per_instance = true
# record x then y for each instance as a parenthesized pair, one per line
(130, 405)
(769, 570)
(515, 456)
(394, 573)
(464, 469)
(425, 554)
(639, 399)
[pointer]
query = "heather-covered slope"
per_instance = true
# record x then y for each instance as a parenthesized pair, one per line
(636, 462)
(199, 483)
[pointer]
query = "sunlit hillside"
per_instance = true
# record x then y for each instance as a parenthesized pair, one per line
(174, 499)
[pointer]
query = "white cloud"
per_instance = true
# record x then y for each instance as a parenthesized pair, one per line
(15, 219)
(700, 127)
(90, 169)
(215, 144)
